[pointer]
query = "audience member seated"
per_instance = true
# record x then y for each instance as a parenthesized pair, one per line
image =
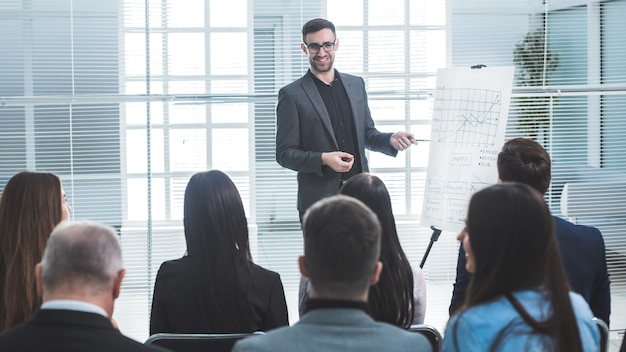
(341, 251)
(31, 205)
(215, 287)
(399, 298)
(581, 247)
(79, 279)
(518, 298)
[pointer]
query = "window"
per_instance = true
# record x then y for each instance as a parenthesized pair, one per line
(126, 100)
(213, 87)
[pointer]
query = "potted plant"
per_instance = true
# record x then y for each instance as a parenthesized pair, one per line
(533, 61)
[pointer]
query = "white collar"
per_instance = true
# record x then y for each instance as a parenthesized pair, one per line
(70, 304)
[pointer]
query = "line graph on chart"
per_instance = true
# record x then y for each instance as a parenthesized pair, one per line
(466, 116)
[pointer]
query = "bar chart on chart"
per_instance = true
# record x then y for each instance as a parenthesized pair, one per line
(470, 111)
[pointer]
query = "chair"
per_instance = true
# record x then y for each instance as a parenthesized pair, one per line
(604, 334)
(432, 334)
(197, 342)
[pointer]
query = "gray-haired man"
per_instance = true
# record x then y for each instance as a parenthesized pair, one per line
(79, 279)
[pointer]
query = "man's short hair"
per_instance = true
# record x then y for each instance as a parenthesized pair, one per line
(316, 25)
(341, 245)
(80, 254)
(526, 161)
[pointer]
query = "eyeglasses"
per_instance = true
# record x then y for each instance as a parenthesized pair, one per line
(315, 48)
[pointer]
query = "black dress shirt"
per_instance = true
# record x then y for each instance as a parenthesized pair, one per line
(319, 303)
(338, 106)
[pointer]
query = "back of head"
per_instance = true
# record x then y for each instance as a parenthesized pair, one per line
(391, 300)
(526, 161)
(371, 190)
(216, 231)
(30, 207)
(341, 246)
(511, 235)
(214, 217)
(316, 25)
(81, 257)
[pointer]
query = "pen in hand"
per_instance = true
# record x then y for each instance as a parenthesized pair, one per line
(418, 140)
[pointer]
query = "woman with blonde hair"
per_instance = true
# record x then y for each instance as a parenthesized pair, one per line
(31, 205)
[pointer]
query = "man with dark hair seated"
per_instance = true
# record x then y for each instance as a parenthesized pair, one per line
(341, 251)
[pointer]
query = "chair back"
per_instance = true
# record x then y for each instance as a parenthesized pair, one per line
(604, 334)
(432, 334)
(197, 342)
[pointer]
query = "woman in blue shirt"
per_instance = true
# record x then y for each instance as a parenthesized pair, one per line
(519, 298)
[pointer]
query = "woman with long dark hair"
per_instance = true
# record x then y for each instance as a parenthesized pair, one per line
(399, 298)
(31, 205)
(518, 298)
(215, 287)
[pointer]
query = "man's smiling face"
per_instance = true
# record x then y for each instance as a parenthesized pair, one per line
(322, 60)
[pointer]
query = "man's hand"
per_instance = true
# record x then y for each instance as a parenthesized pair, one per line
(338, 161)
(402, 140)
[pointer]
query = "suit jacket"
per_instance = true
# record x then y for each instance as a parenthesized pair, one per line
(304, 131)
(176, 307)
(59, 330)
(583, 255)
(336, 329)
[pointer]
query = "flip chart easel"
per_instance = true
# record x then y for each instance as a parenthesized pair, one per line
(470, 114)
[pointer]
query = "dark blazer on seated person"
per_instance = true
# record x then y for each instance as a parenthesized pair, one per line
(583, 254)
(336, 329)
(59, 330)
(175, 308)
(586, 269)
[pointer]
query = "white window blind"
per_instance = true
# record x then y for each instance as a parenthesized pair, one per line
(126, 100)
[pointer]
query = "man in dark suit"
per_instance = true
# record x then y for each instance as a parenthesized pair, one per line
(581, 247)
(324, 122)
(79, 279)
(341, 250)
